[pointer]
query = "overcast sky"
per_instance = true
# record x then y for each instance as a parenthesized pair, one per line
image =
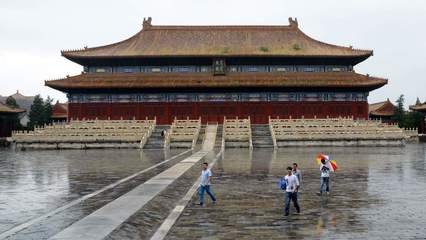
(32, 33)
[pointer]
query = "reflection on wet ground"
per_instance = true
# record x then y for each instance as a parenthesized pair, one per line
(35, 182)
(145, 222)
(378, 193)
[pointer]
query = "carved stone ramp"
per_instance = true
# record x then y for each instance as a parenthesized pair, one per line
(103, 221)
(210, 139)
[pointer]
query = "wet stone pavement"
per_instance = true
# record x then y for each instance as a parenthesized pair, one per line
(143, 223)
(378, 193)
(36, 182)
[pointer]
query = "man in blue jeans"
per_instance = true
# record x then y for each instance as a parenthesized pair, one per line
(206, 175)
(291, 191)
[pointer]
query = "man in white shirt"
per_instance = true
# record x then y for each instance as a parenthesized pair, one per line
(291, 191)
(205, 177)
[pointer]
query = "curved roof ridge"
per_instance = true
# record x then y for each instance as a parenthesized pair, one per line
(218, 40)
(220, 27)
(181, 27)
(333, 45)
(102, 46)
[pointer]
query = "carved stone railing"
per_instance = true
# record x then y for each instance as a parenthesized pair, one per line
(271, 129)
(186, 130)
(333, 129)
(237, 130)
(89, 131)
(146, 136)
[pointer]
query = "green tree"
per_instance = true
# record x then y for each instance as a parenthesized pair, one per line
(400, 111)
(36, 115)
(48, 109)
(40, 111)
(413, 119)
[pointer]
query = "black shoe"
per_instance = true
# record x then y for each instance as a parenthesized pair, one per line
(199, 204)
(286, 214)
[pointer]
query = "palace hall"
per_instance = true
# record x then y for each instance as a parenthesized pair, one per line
(214, 72)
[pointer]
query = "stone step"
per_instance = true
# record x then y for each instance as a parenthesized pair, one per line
(261, 136)
(156, 141)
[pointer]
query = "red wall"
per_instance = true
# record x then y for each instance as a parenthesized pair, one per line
(215, 111)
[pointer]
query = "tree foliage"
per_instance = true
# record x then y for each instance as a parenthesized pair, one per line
(406, 119)
(412, 120)
(400, 111)
(11, 102)
(40, 112)
(48, 108)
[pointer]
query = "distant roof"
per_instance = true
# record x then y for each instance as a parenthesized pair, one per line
(6, 109)
(60, 110)
(19, 96)
(222, 41)
(207, 80)
(22, 100)
(420, 107)
(384, 109)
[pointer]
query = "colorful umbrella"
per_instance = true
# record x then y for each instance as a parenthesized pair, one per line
(332, 164)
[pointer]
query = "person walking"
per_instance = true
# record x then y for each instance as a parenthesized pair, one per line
(205, 186)
(297, 172)
(325, 177)
(292, 186)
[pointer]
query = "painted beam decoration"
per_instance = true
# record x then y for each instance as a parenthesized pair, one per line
(218, 97)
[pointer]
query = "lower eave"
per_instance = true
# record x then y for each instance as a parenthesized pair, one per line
(381, 114)
(59, 116)
(239, 81)
(419, 108)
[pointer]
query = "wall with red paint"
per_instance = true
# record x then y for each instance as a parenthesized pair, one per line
(215, 111)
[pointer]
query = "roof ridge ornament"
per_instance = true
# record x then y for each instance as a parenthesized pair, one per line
(293, 23)
(147, 23)
(418, 102)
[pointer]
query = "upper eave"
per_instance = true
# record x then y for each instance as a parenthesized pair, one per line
(239, 81)
(218, 41)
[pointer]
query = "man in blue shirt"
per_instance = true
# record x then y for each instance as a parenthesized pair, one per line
(205, 177)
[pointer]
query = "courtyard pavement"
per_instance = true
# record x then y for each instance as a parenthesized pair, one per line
(377, 193)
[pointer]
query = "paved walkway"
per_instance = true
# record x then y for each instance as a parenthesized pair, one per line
(168, 223)
(49, 214)
(102, 222)
(210, 139)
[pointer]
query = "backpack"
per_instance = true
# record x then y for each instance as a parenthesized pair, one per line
(283, 183)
